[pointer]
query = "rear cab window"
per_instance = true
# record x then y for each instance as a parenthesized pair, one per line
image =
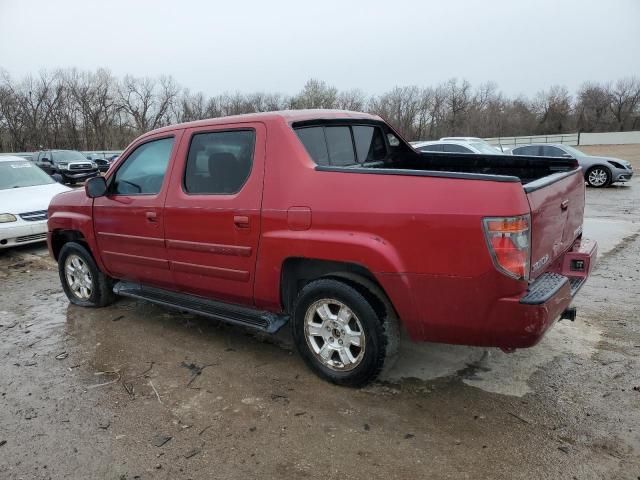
(343, 145)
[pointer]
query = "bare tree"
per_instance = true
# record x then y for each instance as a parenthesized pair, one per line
(624, 98)
(147, 101)
(553, 108)
(592, 108)
(316, 94)
(94, 110)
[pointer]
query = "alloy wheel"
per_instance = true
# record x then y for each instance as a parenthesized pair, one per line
(334, 334)
(78, 277)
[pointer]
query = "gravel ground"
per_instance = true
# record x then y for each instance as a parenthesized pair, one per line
(137, 391)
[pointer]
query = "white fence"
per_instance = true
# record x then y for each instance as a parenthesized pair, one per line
(607, 138)
(566, 138)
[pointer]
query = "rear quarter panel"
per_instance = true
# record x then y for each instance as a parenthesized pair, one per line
(398, 227)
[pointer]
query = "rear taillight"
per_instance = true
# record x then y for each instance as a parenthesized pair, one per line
(509, 242)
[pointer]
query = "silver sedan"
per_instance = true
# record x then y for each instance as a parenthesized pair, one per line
(598, 171)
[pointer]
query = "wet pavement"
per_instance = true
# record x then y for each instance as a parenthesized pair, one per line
(138, 391)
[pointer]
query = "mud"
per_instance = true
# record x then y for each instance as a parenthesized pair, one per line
(137, 391)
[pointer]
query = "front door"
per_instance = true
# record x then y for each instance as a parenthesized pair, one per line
(212, 211)
(129, 222)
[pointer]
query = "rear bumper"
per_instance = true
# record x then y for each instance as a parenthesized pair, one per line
(526, 318)
(472, 311)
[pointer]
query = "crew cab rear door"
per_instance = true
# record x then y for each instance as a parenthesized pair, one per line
(213, 211)
(129, 221)
(557, 208)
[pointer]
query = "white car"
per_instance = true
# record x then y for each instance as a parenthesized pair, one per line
(25, 193)
(457, 146)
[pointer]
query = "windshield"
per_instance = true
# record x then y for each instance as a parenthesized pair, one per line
(68, 156)
(22, 174)
(573, 151)
(483, 147)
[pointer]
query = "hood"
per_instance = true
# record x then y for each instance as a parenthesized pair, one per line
(29, 199)
(606, 159)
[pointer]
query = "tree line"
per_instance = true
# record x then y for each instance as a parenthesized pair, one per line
(88, 110)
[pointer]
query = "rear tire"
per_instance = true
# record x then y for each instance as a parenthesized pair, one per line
(339, 333)
(598, 177)
(83, 283)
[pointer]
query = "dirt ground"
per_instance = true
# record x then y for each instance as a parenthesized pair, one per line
(137, 391)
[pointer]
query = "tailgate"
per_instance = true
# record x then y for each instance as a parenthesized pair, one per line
(557, 208)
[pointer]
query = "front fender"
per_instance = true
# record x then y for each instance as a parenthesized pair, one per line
(75, 222)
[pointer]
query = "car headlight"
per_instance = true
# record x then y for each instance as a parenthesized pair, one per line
(7, 217)
(94, 164)
(63, 166)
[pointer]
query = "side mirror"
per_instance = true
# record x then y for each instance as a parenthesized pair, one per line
(57, 177)
(45, 160)
(95, 187)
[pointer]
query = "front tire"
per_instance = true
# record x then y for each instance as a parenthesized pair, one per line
(83, 283)
(339, 333)
(598, 177)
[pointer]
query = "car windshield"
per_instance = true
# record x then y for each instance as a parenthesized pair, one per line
(22, 174)
(483, 147)
(68, 156)
(573, 151)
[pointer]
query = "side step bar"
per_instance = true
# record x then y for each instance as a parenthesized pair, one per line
(258, 319)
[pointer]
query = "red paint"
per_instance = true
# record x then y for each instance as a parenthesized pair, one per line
(421, 237)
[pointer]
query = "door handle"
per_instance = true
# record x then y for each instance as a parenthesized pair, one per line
(151, 217)
(564, 205)
(241, 221)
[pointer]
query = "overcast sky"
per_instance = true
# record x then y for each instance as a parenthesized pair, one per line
(249, 45)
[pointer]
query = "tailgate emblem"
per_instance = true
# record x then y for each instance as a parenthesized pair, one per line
(540, 263)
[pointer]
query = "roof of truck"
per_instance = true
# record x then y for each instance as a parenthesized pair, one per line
(288, 116)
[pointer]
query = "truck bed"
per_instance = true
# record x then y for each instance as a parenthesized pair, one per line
(526, 170)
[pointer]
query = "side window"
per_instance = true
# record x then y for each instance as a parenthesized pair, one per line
(370, 145)
(143, 171)
(528, 150)
(313, 140)
(340, 146)
(431, 148)
(455, 148)
(219, 162)
(549, 151)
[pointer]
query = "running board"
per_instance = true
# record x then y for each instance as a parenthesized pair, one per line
(247, 317)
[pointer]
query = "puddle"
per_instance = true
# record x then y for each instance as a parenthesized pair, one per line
(491, 369)
(608, 233)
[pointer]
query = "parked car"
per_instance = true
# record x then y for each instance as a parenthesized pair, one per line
(598, 171)
(25, 193)
(336, 226)
(101, 160)
(457, 146)
(72, 166)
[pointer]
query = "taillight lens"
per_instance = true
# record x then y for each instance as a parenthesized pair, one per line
(509, 242)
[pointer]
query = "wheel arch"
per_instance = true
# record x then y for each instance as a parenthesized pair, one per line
(61, 236)
(597, 165)
(297, 272)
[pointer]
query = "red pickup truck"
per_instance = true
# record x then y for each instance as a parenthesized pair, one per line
(329, 221)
